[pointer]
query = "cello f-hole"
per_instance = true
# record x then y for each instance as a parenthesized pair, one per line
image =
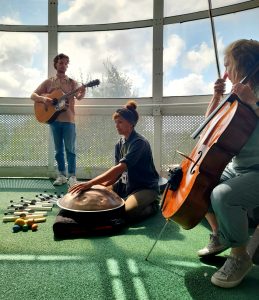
(192, 171)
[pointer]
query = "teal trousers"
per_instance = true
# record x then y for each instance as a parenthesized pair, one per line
(230, 200)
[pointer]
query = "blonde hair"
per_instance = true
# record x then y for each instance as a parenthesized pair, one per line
(244, 55)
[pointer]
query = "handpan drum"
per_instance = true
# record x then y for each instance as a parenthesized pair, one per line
(98, 201)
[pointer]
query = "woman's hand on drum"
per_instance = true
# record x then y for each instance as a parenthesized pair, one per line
(83, 186)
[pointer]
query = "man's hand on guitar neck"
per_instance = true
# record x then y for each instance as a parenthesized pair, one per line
(81, 92)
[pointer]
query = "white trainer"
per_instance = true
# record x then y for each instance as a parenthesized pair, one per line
(72, 181)
(61, 179)
(232, 272)
(213, 248)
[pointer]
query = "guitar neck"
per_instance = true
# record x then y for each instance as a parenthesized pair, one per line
(72, 93)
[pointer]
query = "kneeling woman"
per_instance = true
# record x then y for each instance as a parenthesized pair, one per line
(134, 176)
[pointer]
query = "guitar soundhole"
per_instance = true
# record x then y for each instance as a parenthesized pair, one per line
(54, 101)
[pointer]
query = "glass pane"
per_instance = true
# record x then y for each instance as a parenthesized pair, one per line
(76, 12)
(231, 27)
(29, 12)
(23, 60)
(189, 59)
(121, 59)
(221, 3)
(178, 7)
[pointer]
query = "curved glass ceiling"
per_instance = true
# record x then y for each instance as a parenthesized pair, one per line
(102, 11)
(97, 39)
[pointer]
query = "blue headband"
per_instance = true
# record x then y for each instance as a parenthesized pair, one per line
(128, 115)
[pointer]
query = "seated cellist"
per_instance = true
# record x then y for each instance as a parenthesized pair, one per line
(238, 190)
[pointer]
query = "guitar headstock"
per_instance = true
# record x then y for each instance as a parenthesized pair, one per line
(92, 83)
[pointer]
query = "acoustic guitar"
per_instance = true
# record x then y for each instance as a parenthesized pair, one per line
(48, 112)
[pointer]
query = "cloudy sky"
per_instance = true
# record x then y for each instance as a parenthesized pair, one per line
(189, 61)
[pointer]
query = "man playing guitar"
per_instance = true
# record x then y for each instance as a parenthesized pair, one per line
(63, 126)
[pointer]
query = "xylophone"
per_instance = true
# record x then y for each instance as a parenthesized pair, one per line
(26, 213)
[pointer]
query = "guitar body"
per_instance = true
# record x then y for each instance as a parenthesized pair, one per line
(48, 112)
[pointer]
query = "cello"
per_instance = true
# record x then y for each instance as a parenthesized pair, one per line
(222, 135)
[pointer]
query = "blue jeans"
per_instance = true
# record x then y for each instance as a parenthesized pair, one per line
(64, 135)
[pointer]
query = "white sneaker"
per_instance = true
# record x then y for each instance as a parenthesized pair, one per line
(72, 181)
(214, 247)
(61, 179)
(232, 272)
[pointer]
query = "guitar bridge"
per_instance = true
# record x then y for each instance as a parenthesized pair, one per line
(60, 105)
